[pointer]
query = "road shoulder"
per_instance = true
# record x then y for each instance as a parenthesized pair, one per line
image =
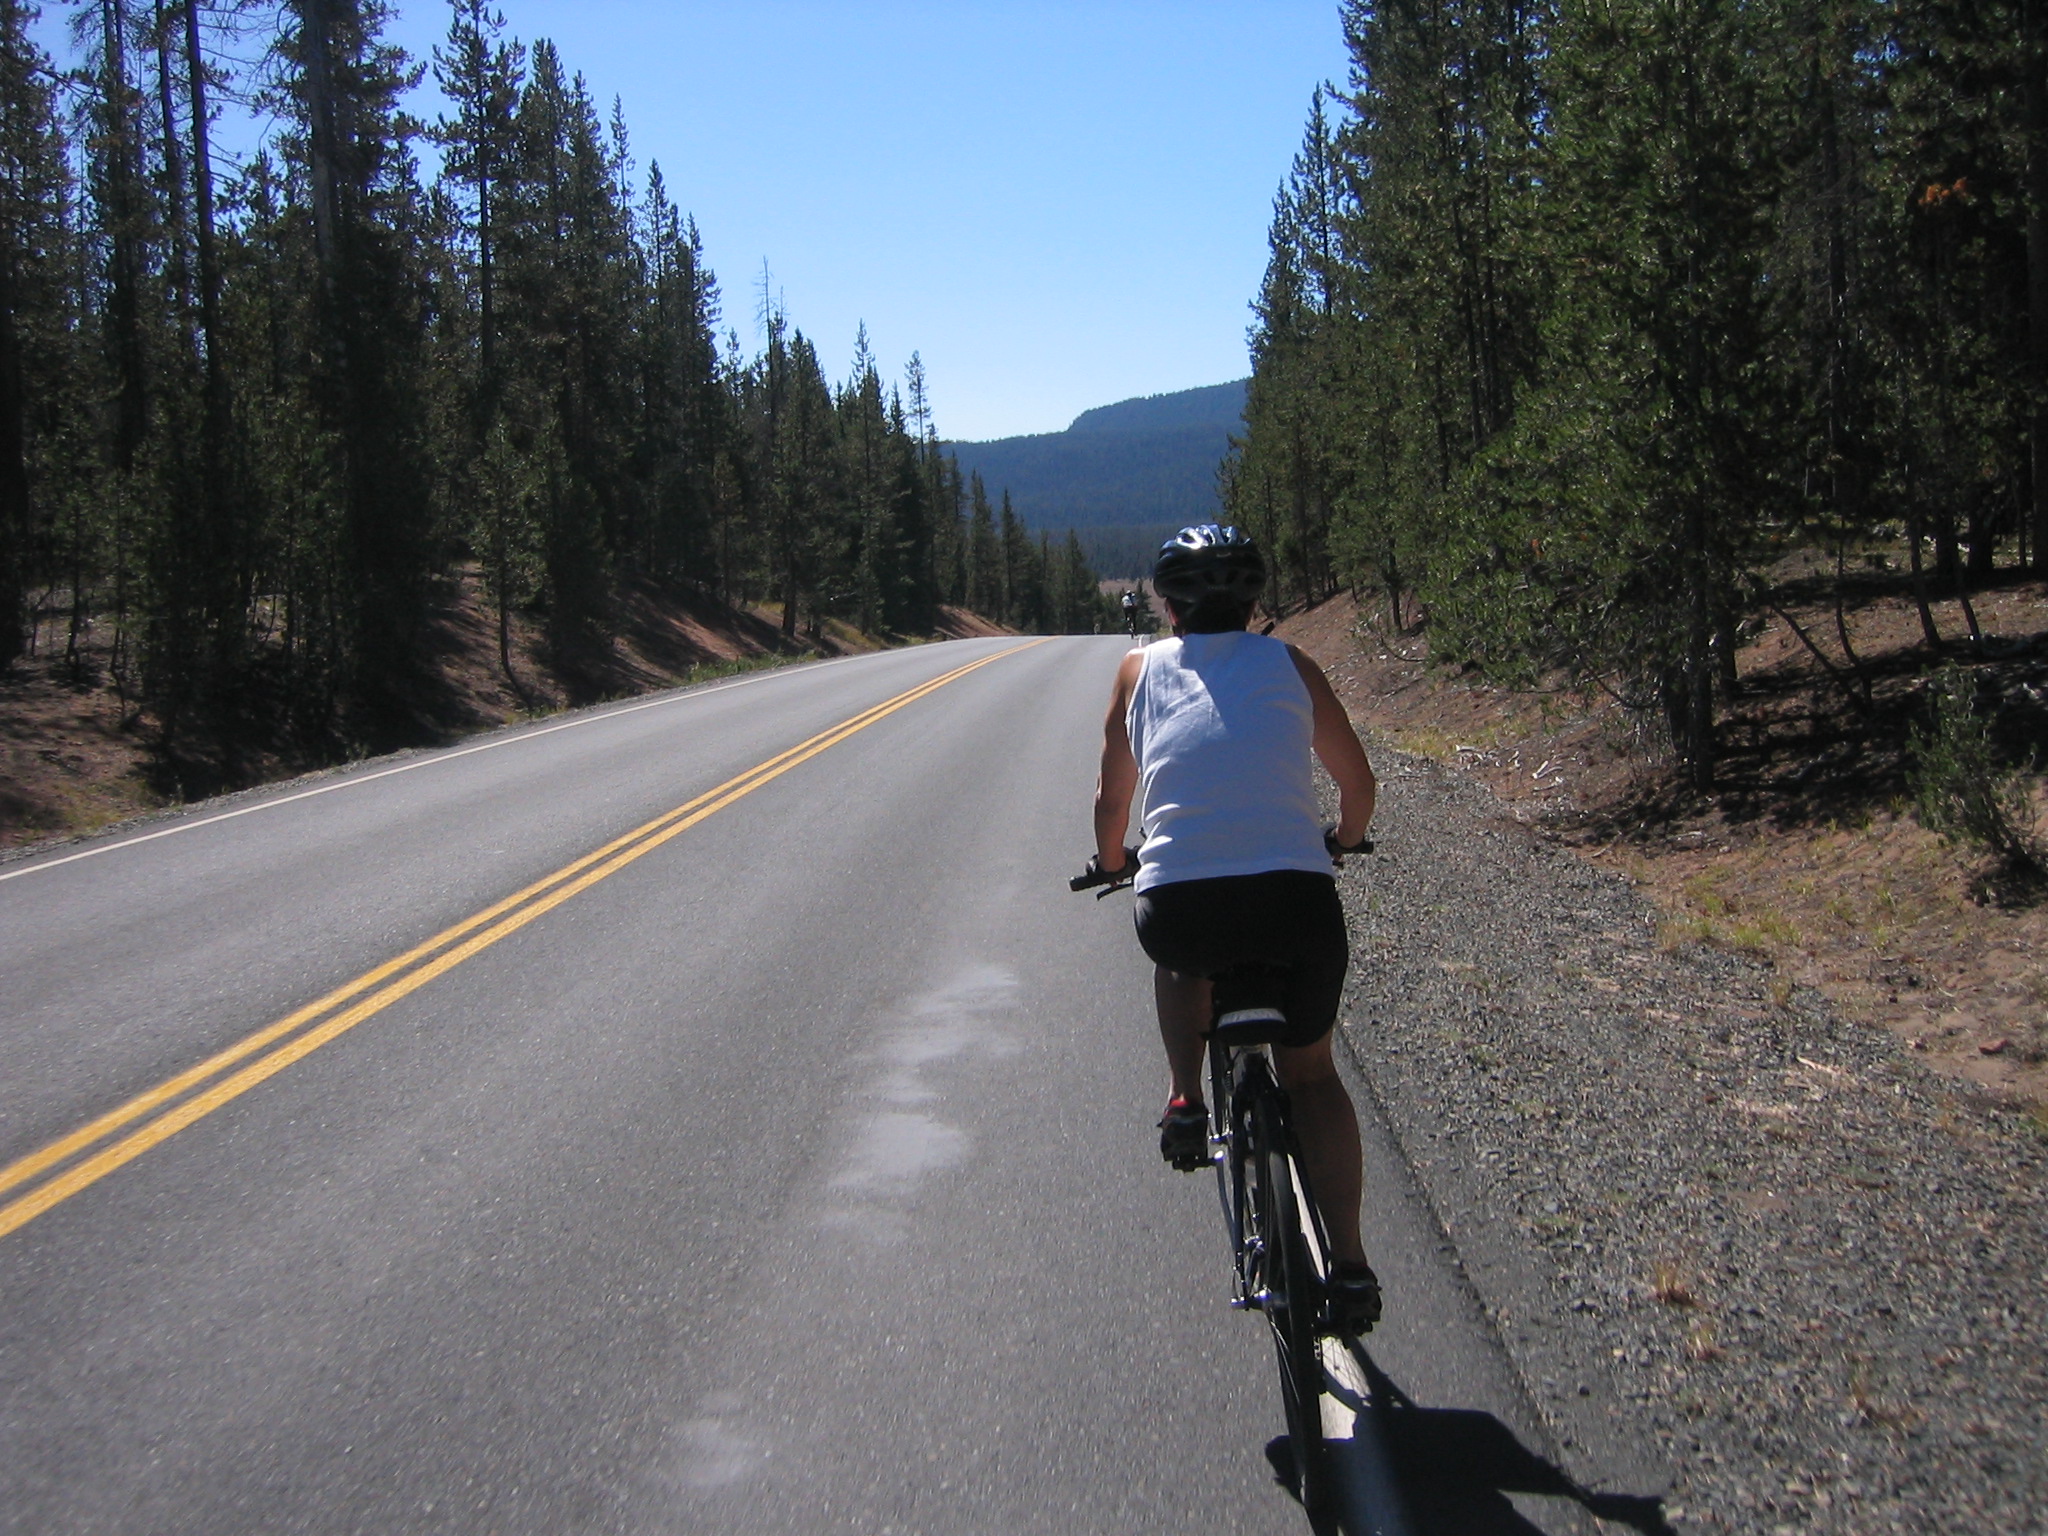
(1731, 1243)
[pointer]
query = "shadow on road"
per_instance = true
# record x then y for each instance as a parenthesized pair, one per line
(1415, 1471)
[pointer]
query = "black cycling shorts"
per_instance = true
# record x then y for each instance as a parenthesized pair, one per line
(1285, 917)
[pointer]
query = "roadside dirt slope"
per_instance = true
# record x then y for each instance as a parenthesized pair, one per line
(1807, 857)
(76, 757)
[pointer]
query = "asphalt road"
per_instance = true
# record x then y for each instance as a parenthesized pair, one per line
(789, 1167)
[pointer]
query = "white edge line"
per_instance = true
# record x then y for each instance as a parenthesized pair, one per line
(350, 782)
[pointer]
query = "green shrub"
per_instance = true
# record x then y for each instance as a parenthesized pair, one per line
(1959, 789)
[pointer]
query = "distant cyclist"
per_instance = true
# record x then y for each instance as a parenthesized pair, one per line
(1131, 613)
(1216, 727)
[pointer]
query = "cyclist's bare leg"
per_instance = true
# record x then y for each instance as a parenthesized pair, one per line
(1326, 1126)
(1183, 1019)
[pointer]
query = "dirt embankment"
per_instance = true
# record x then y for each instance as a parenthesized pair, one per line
(75, 756)
(1679, 1076)
(1807, 856)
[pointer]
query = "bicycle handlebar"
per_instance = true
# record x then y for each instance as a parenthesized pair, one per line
(1094, 875)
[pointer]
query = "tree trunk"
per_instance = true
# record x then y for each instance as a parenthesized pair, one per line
(174, 171)
(315, 46)
(81, 619)
(230, 577)
(202, 205)
(123, 308)
(1914, 536)
(789, 597)
(1947, 565)
(2034, 100)
(1699, 652)
(1298, 488)
(1842, 624)
(487, 324)
(1969, 614)
(14, 508)
(501, 567)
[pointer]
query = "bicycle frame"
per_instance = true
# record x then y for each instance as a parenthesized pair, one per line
(1240, 1077)
(1278, 1242)
(1279, 1245)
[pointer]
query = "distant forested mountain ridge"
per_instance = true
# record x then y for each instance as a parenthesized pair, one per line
(1210, 406)
(1121, 476)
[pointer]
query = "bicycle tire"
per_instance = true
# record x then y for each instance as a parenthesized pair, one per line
(1294, 1295)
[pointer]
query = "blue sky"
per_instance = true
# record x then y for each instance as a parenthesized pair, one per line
(1058, 205)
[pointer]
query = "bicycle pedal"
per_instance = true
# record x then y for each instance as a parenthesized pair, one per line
(1184, 1140)
(1355, 1305)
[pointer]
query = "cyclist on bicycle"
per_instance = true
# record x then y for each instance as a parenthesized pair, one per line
(1216, 727)
(1131, 613)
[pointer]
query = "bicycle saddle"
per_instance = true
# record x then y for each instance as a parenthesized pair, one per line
(1247, 1002)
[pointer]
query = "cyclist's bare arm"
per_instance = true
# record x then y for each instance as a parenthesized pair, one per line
(1118, 781)
(1337, 744)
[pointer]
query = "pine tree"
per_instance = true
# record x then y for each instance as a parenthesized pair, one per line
(572, 283)
(1974, 252)
(481, 72)
(984, 554)
(687, 426)
(36, 366)
(2032, 59)
(869, 479)
(1021, 577)
(1082, 594)
(276, 414)
(367, 339)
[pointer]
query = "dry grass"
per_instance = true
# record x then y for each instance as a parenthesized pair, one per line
(1669, 1285)
(1870, 1406)
(1700, 1346)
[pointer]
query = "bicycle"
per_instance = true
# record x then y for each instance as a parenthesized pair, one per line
(1277, 1237)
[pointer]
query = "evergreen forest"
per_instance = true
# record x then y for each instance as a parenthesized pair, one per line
(1580, 314)
(260, 416)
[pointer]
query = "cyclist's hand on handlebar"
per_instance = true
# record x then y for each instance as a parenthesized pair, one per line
(1095, 874)
(1338, 850)
(1123, 874)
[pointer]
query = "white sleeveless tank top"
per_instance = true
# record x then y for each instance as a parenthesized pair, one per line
(1221, 726)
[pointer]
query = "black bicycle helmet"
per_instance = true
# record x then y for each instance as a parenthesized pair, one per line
(1209, 566)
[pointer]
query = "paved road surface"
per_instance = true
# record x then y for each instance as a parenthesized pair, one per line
(789, 1170)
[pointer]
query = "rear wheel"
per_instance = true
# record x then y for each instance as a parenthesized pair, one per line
(1294, 1295)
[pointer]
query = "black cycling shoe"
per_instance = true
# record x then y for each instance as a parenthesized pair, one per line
(1184, 1135)
(1351, 1300)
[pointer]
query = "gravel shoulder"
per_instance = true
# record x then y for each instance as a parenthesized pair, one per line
(1740, 1251)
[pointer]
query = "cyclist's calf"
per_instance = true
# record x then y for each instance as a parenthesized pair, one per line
(1326, 1126)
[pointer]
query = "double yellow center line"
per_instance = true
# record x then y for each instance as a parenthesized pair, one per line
(172, 1105)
